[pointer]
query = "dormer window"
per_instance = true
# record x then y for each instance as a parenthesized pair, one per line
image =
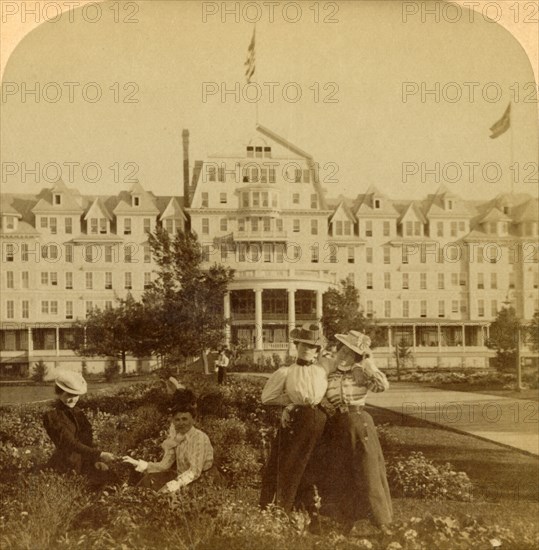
(506, 209)
(57, 199)
(377, 204)
(449, 204)
(136, 200)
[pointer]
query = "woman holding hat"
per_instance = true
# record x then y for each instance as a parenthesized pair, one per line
(300, 387)
(353, 481)
(71, 432)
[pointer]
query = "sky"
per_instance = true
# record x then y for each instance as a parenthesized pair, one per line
(360, 69)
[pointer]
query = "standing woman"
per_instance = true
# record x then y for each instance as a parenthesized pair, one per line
(353, 482)
(71, 432)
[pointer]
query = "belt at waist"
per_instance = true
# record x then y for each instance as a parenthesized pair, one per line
(342, 408)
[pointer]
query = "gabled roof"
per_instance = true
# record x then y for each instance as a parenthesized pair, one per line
(434, 205)
(172, 210)
(69, 203)
(125, 204)
(98, 206)
(413, 210)
(24, 229)
(7, 208)
(494, 215)
(364, 205)
(526, 212)
(342, 209)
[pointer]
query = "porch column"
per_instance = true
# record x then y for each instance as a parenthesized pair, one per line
(413, 338)
(463, 338)
(438, 326)
(389, 337)
(291, 310)
(57, 340)
(259, 341)
(319, 309)
(30, 342)
(226, 310)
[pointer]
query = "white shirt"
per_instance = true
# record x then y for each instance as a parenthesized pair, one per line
(296, 384)
(222, 360)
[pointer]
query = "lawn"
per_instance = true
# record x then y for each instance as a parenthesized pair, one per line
(42, 511)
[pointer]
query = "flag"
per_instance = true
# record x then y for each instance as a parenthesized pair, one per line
(502, 125)
(250, 62)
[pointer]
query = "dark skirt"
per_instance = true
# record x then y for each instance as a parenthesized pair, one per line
(351, 476)
(283, 481)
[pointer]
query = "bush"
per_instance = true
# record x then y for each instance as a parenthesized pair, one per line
(112, 370)
(417, 477)
(40, 371)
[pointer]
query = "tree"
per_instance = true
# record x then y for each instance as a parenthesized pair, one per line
(113, 332)
(503, 337)
(403, 354)
(533, 332)
(185, 302)
(341, 313)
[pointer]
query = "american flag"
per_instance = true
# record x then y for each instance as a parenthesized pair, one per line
(250, 62)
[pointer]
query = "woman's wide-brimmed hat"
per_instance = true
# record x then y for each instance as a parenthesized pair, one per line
(71, 382)
(356, 341)
(308, 334)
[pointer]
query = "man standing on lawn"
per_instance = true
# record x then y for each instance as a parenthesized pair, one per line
(222, 365)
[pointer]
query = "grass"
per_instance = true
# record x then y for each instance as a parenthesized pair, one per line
(527, 394)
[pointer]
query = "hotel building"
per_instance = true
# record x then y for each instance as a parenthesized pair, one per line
(433, 272)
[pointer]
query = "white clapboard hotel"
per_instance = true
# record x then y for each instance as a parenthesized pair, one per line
(434, 272)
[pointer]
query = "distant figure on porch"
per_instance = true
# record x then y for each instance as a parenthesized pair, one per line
(221, 365)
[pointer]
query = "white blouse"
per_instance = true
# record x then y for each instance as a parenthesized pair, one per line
(298, 385)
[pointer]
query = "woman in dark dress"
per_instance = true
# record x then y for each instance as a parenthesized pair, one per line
(352, 478)
(71, 433)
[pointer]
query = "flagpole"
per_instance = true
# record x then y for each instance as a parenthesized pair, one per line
(511, 167)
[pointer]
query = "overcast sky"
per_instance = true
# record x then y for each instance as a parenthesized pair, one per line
(362, 62)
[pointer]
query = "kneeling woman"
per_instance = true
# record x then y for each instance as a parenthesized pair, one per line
(188, 452)
(353, 482)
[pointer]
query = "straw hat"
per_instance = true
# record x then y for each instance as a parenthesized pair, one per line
(356, 341)
(308, 334)
(71, 382)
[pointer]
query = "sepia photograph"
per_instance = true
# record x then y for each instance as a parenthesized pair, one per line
(269, 275)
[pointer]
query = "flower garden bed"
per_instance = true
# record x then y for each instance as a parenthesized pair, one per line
(436, 506)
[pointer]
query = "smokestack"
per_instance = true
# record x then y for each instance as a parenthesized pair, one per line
(185, 140)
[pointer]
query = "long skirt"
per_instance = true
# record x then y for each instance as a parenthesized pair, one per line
(352, 480)
(283, 482)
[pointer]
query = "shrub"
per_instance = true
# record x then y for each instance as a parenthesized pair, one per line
(417, 477)
(112, 370)
(40, 371)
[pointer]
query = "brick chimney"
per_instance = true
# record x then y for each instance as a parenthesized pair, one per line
(185, 140)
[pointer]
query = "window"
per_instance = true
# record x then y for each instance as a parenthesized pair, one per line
(307, 177)
(279, 224)
(44, 222)
(10, 309)
(69, 253)
(338, 227)
(10, 281)
(409, 228)
(89, 280)
(314, 227)
(439, 229)
(377, 204)
(493, 308)
(89, 307)
(370, 309)
(250, 151)
(454, 306)
(387, 280)
(24, 253)
(267, 224)
(463, 306)
(272, 175)
(93, 226)
(462, 279)
(387, 308)
(441, 281)
(480, 308)
(351, 254)
(258, 151)
(169, 226)
(108, 253)
(136, 200)
(68, 224)
(295, 198)
(441, 308)
(212, 173)
(147, 279)
(44, 277)
(147, 225)
(45, 307)
(368, 255)
(223, 225)
(347, 227)
(368, 229)
(25, 309)
(369, 281)
(241, 224)
(254, 224)
(405, 281)
(404, 254)
(462, 226)
(127, 226)
(205, 199)
(480, 280)
(536, 279)
(314, 254)
(314, 200)
(54, 307)
(205, 226)
(423, 281)
(128, 254)
(417, 228)
(266, 252)
(108, 304)
(297, 175)
(493, 280)
(387, 229)
(53, 226)
(387, 255)
(267, 152)
(25, 279)
(406, 308)
(423, 308)
(295, 226)
(511, 280)
(480, 255)
(69, 279)
(221, 174)
(222, 198)
(128, 282)
(108, 280)
(453, 229)
(57, 198)
(103, 226)
(279, 253)
(147, 251)
(54, 278)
